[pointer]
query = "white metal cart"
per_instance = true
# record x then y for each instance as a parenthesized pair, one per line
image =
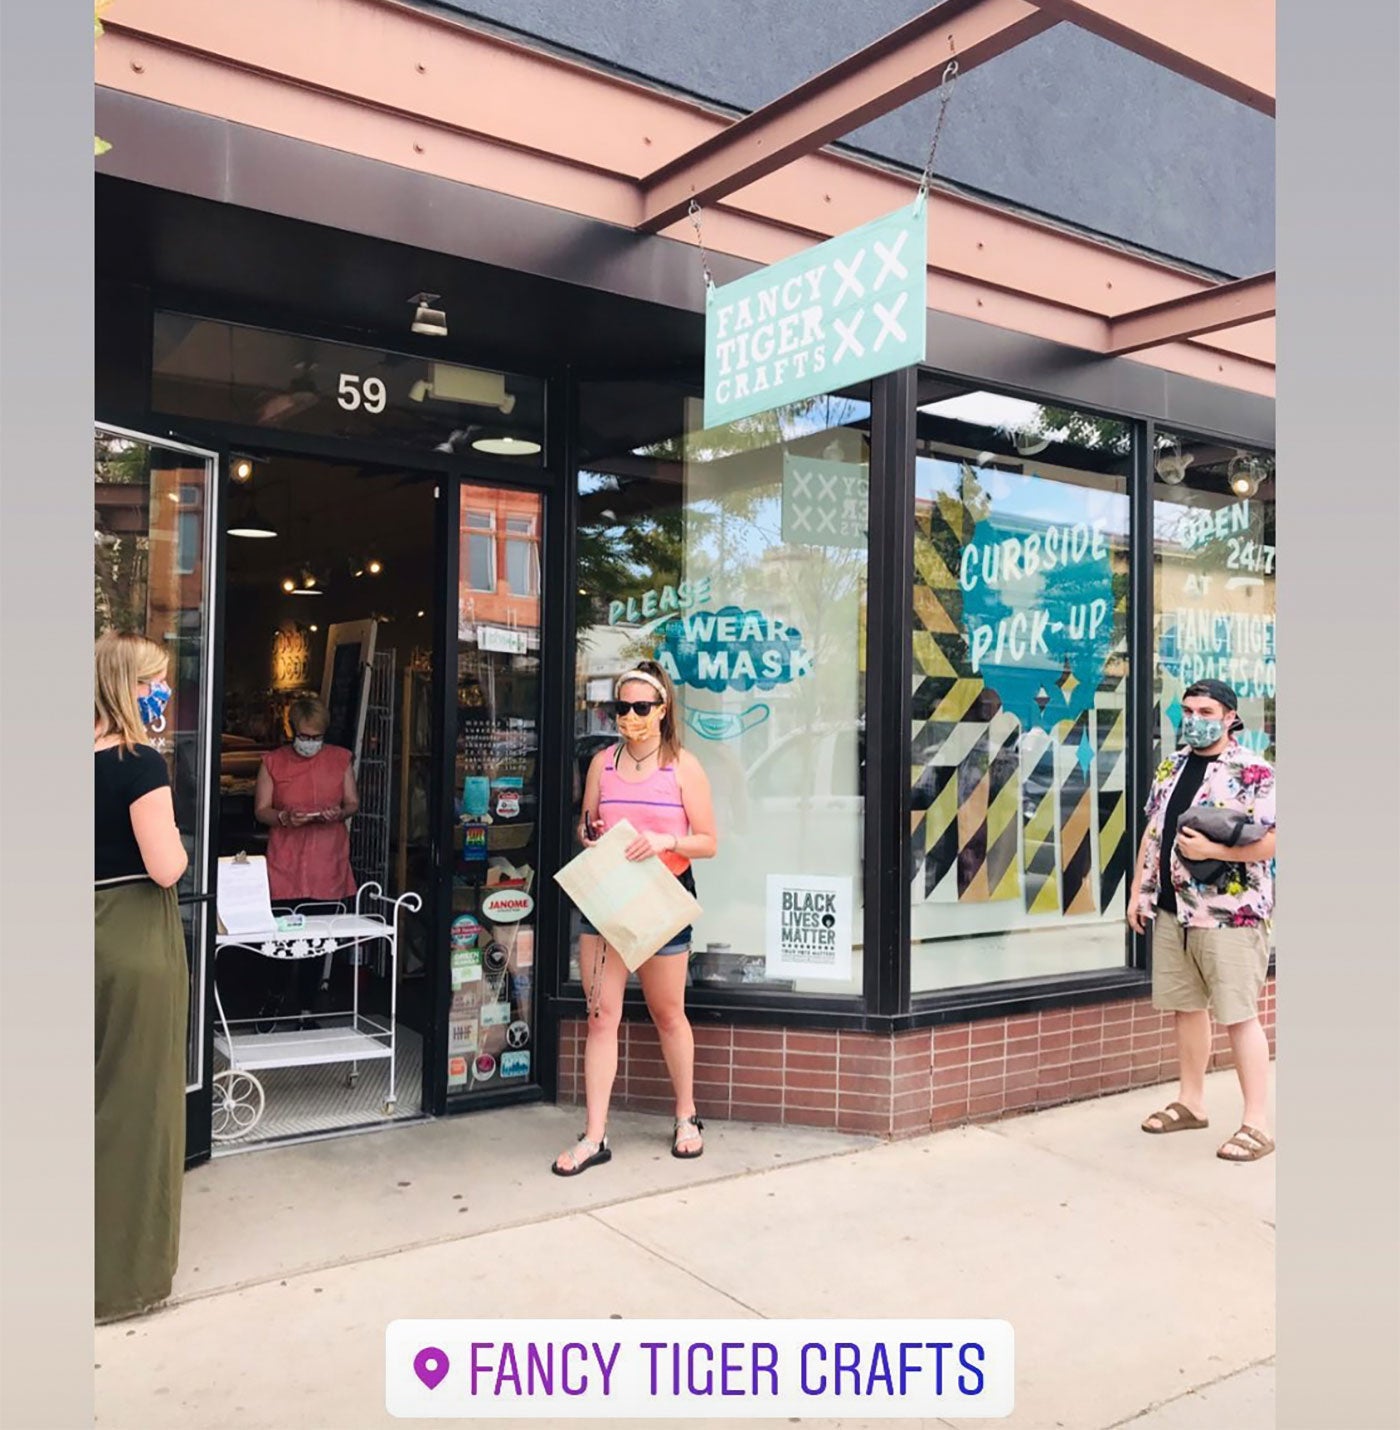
(238, 1094)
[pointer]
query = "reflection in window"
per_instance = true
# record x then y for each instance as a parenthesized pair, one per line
(1020, 646)
(737, 558)
(1213, 525)
(522, 557)
(481, 550)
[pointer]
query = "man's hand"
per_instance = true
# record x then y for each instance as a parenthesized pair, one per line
(1137, 916)
(1192, 844)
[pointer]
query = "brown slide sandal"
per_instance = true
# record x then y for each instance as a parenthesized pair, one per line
(1174, 1117)
(1252, 1143)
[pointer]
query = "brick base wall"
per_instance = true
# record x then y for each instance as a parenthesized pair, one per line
(906, 1083)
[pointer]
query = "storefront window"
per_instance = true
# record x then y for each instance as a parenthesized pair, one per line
(1020, 668)
(490, 1042)
(737, 558)
(151, 575)
(1213, 515)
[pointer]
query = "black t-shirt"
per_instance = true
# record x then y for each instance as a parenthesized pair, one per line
(121, 779)
(1187, 785)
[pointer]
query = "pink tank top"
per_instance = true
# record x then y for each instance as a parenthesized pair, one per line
(651, 805)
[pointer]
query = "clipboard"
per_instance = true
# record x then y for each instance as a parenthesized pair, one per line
(243, 902)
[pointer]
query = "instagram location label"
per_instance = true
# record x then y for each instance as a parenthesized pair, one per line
(431, 1365)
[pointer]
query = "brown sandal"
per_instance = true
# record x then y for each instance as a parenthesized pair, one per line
(1253, 1145)
(1174, 1117)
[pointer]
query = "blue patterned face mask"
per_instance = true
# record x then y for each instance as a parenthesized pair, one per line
(1201, 733)
(152, 706)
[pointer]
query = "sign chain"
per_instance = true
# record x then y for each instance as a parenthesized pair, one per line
(694, 213)
(945, 88)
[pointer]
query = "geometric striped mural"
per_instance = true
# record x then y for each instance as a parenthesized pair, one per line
(1026, 816)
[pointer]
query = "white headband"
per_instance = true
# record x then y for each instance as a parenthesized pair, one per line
(651, 680)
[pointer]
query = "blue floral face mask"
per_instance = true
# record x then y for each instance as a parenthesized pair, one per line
(1201, 733)
(152, 706)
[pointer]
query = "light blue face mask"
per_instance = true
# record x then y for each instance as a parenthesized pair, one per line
(1201, 733)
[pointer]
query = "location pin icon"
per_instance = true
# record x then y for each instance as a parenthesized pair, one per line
(430, 1365)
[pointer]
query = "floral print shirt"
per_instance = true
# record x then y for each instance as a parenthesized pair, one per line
(1239, 780)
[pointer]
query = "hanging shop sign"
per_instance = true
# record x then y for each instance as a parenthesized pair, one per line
(502, 639)
(825, 503)
(845, 311)
(809, 927)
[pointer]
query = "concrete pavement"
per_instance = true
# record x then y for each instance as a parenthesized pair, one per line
(1137, 1271)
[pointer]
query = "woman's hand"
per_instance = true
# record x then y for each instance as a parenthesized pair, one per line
(583, 836)
(299, 818)
(649, 845)
(332, 814)
(1192, 844)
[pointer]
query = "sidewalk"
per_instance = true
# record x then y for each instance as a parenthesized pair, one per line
(1137, 1271)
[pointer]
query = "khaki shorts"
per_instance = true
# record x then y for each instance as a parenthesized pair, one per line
(1220, 969)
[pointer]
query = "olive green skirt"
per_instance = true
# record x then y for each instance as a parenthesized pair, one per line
(142, 1009)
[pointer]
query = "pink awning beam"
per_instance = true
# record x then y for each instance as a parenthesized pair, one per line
(1226, 306)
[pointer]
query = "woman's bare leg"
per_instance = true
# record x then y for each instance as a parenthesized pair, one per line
(601, 967)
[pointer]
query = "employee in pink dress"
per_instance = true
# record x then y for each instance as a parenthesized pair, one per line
(662, 791)
(305, 793)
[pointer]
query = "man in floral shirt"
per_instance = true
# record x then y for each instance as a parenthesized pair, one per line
(1210, 943)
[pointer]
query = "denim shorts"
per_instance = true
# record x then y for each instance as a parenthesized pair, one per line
(679, 944)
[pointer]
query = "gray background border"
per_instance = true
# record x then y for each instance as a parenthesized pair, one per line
(46, 395)
(1338, 535)
(1340, 1058)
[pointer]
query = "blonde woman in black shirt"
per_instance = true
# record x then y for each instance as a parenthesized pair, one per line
(142, 986)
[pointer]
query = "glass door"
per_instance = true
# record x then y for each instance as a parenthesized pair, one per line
(496, 849)
(152, 574)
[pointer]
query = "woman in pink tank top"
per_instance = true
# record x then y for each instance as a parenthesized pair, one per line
(662, 791)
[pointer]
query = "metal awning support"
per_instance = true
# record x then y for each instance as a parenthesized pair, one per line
(901, 66)
(1227, 47)
(1227, 306)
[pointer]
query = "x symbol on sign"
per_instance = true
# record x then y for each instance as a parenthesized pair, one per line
(888, 325)
(826, 519)
(848, 277)
(889, 259)
(848, 336)
(799, 518)
(801, 484)
(828, 487)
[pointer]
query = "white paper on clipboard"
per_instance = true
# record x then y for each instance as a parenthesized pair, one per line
(244, 902)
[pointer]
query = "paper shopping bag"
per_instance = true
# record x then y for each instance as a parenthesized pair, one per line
(638, 906)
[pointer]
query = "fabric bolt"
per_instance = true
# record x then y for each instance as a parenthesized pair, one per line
(312, 862)
(1238, 780)
(141, 981)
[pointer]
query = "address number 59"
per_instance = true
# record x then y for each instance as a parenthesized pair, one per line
(368, 392)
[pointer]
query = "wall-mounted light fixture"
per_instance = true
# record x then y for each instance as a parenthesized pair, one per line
(1243, 475)
(428, 321)
(1172, 464)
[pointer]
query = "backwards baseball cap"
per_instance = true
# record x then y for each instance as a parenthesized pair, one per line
(1215, 690)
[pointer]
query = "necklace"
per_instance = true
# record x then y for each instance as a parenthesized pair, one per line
(639, 763)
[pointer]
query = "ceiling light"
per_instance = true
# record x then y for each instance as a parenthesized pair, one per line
(430, 322)
(1029, 443)
(289, 585)
(506, 446)
(308, 580)
(253, 525)
(375, 567)
(313, 628)
(243, 469)
(308, 591)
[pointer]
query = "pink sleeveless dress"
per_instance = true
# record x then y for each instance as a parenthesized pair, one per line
(312, 862)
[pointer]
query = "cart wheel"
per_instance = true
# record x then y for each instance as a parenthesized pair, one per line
(352, 1077)
(389, 1105)
(238, 1105)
